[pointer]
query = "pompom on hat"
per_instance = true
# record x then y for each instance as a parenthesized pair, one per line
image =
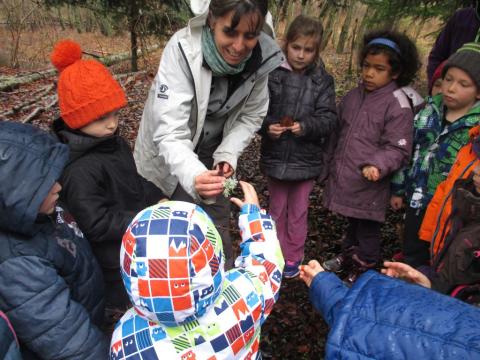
(86, 89)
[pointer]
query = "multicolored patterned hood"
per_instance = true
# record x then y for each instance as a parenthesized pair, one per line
(172, 263)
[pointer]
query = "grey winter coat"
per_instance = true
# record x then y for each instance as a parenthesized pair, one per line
(309, 99)
(374, 129)
(51, 286)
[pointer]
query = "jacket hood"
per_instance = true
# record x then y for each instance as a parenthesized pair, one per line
(79, 143)
(30, 162)
(172, 263)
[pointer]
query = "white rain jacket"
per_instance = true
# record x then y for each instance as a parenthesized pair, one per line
(175, 111)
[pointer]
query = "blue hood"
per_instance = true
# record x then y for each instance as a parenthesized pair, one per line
(30, 162)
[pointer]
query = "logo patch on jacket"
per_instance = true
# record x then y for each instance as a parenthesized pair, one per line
(162, 91)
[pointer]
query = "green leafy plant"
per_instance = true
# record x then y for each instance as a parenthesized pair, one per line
(229, 186)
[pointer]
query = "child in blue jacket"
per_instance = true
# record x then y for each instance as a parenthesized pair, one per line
(384, 318)
(51, 286)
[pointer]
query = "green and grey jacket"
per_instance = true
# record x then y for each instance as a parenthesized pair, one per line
(436, 144)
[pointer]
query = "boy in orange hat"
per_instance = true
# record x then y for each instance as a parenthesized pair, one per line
(101, 186)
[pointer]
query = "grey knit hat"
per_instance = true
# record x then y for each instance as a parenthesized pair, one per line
(466, 58)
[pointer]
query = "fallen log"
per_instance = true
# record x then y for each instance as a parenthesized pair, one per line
(12, 82)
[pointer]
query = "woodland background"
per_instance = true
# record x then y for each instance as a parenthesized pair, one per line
(128, 36)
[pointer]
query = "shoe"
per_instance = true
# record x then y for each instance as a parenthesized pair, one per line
(337, 264)
(359, 267)
(291, 269)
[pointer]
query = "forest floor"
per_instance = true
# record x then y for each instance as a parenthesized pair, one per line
(293, 330)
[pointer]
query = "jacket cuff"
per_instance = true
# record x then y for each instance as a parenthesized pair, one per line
(249, 208)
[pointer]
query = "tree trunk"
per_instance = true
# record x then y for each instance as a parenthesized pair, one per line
(345, 28)
(134, 50)
(133, 18)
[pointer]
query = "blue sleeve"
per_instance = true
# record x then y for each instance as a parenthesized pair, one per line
(46, 318)
(326, 292)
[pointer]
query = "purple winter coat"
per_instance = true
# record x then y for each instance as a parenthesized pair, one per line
(462, 27)
(374, 129)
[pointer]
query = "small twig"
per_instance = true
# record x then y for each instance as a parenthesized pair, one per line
(33, 115)
(52, 103)
(42, 92)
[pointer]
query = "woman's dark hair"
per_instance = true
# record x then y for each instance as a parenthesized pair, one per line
(219, 8)
(405, 63)
(305, 26)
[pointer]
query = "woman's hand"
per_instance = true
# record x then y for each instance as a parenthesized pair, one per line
(309, 271)
(371, 173)
(209, 183)
(296, 128)
(405, 272)
(276, 130)
(249, 193)
(396, 202)
(224, 169)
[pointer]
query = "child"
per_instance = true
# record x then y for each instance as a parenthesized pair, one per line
(455, 263)
(374, 140)
(291, 154)
(185, 305)
(436, 87)
(101, 186)
(50, 284)
(441, 129)
(384, 318)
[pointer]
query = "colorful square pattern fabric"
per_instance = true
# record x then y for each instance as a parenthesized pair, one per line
(171, 255)
(229, 308)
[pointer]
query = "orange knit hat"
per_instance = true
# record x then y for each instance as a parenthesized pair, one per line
(86, 89)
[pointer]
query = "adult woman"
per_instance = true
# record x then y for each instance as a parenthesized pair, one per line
(208, 99)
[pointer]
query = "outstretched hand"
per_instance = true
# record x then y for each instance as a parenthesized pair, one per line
(405, 272)
(309, 271)
(249, 193)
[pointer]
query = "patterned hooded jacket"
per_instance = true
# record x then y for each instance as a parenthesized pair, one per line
(185, 305)
(435, 148)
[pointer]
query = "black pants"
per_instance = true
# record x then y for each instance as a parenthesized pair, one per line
(416, 251)
(220, 214)
(366, 237)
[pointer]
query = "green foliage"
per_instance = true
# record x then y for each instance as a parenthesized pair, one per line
(388, 12)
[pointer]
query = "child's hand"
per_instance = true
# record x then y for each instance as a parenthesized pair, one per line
(162, 200)
(296, 128)
(396, 202)
(249, 193)
(405, 272)
(275, 130)
(371, 173)
(209, 183)
(224, 169)
(309, 271)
